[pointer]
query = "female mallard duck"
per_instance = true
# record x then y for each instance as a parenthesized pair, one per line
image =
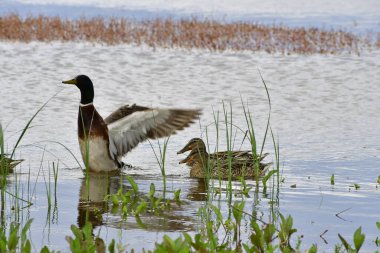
(243, 163)
(7, 164)
(103, 142)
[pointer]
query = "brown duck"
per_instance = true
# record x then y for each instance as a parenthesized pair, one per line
(103, 142)
(7, 164)
(243, 164)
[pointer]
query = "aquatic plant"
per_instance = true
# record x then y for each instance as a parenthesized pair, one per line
(358, 241)
(12, 242)
(133, 202)
(4, 169)
(161, 158)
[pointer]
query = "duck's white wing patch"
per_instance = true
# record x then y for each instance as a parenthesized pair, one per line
(127, 132)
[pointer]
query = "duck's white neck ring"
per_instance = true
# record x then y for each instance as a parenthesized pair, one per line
(83, 105)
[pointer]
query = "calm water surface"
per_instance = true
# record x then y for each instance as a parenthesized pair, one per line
(324, 113)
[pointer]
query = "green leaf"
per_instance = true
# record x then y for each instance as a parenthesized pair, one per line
(141, 208)
(247, 249)
(269, 231)
(313, 249)
(87, 231)
(177, 195)
(115, 199)
(237, 211)
(25, 229)
(111, 246)
(332, 179)
(13, 237)
(169, 243)
(125, 211)
(358, 238)
(77, 233)
(26, 248)
(45, 250)
(256, 237)
(3, 245)
(378, 225)
(188, 238)
(152, 190)
(345, 243)
(139, 222)
(157, 202)
(217, 213)
(267, 176)
(133, 184)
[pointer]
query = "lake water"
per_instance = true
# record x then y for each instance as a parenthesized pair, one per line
(325, 113)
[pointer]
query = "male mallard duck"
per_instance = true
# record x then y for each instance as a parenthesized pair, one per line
(243, 163)
(108, 140)
(7, 164)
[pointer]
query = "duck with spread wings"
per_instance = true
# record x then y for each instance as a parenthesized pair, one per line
(103, 142)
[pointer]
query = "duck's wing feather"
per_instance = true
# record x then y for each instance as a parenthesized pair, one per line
(123, 112)
(130, 125)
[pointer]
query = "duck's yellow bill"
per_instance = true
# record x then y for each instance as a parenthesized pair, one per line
(72, 81)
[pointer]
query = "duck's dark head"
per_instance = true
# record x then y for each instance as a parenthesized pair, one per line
(85, 86)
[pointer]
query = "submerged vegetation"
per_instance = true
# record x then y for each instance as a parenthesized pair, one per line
(188, 34)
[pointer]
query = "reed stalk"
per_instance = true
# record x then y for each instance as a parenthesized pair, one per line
(161, 158)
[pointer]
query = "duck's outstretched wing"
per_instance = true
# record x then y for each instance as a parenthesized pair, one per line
(130, 125)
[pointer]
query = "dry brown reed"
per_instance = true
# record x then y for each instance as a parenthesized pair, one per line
(193, 33)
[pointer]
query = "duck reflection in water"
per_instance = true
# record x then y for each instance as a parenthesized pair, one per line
(198, 190)
(92, 206)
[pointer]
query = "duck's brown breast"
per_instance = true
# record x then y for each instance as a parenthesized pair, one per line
(90, 123)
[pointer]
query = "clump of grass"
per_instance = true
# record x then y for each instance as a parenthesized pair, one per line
(4, 171)
(132, 202)
(358, 237)
(12, 242)
(185, 33)
(265, 237)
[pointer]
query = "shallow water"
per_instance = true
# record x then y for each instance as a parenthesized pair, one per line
(324, 112)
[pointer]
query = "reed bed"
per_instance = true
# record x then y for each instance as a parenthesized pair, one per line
(188, 34)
